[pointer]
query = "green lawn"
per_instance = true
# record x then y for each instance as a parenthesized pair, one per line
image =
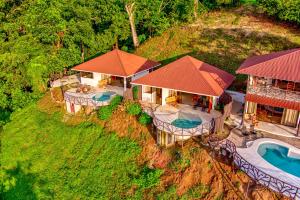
(48, 159)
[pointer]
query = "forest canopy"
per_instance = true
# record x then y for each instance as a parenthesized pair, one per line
(41, 37)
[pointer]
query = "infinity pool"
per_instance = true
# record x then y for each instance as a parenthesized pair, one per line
(277, 156)
(186, 123)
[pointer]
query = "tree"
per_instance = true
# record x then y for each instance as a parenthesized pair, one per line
(130, 9)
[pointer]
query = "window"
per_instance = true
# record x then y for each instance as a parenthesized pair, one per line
(172, 93)
(86, 75)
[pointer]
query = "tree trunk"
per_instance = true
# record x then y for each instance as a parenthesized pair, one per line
(130, 11)
(196, 8)
(82, 52)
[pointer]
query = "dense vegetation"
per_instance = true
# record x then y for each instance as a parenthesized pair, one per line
(43, 158)
(39, 38)
(288, 10)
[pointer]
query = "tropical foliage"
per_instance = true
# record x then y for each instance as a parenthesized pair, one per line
(145, 119)
(288, 10)
(105, 112)
(133, 108)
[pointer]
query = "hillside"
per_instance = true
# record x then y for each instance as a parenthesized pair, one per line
(223, 38)
(47, 154)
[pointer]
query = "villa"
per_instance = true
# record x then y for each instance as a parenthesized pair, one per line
(183, 97)
(272, 101)
(105, 76)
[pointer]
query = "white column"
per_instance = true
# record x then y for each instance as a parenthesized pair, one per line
(164, 95)
(298, 126)
(125, 84)
(214, 103)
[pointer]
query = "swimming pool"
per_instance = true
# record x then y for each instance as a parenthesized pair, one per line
(105, 96)
(186, 123)
(277, 156)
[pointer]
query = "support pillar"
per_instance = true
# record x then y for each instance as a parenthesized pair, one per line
(125, 84)
(298, 125)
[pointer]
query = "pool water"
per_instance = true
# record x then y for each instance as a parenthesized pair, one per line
(186, 123)
(277, 156)
(103, 96)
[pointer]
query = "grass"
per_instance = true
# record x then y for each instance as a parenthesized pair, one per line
(51, 160)
(223, 38)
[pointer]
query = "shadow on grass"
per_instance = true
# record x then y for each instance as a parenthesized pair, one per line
(21, 184)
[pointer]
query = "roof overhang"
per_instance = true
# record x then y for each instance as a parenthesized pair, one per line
(116, 74)
(273, 102)
(176, 90)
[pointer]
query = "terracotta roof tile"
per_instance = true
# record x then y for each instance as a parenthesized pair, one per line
(283, 65)
(118, 63)
(188, 74)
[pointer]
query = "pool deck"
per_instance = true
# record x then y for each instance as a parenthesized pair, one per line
(165, 115)
(251, 155)
(269, 128)
(87, 98)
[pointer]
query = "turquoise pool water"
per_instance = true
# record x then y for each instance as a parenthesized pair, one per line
(186, 123)
(105, 96)
(276, 155)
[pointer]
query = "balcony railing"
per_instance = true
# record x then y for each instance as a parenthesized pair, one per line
(83, 99)
(274, 92)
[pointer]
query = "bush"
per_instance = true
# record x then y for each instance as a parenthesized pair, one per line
(135, 91)
(116, 101)
(148, 178)
(134, 109)
(105, 112)
(145, 119)
(288, 10)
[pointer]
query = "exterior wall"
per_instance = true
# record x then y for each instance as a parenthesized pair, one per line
(76, 107)
(92, 81)
(165, 94)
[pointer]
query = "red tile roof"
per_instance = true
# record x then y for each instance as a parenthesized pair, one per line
(190, 75)
(273, 102)
(283, 65)
(118, 63)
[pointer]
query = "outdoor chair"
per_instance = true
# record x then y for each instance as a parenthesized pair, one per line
(172, 100)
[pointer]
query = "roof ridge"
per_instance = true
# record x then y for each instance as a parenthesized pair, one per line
(292, 52)
(198, 71)
(120, 60)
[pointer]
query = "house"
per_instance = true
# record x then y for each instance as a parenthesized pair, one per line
(105, 76)
(272, 101)
(185, 94)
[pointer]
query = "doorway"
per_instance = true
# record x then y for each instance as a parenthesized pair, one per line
(159, 96)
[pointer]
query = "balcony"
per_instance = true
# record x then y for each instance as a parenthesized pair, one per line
(274, 92)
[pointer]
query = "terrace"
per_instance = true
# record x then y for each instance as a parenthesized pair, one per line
(274, 92)
(183, 121)
(92, 96)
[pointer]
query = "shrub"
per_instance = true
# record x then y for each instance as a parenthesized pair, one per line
(105, 112)
(135, 91)
(145, 119)
(134, 109)
(148, 178)
(116, 101)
